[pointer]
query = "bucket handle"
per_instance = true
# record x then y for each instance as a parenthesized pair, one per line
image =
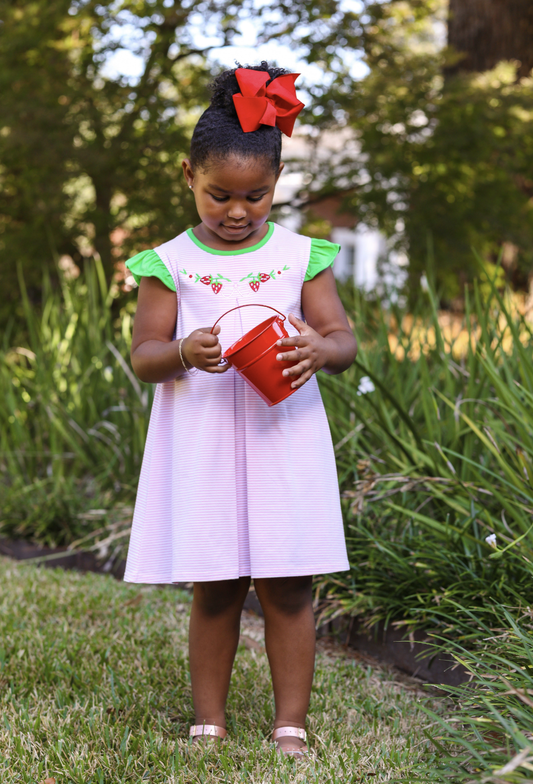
(249, 305)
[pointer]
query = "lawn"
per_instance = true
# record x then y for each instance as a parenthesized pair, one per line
(95, 688)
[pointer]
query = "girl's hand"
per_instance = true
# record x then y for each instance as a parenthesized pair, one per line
(202, 350)
(311, 352)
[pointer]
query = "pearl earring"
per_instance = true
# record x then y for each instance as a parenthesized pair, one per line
(190, 186)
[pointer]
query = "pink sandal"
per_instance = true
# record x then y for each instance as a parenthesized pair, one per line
(207, 729)
(294, 732)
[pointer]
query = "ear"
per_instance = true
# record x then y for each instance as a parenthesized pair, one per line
(188, 172)
(281, 167)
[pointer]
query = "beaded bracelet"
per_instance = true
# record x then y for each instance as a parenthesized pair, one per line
(190, 372)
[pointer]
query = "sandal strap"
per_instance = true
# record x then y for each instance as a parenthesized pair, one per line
(294, 732)
(207, 729)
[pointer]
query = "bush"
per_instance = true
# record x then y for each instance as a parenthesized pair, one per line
(74, 419)
(434, 433)
(434, 461)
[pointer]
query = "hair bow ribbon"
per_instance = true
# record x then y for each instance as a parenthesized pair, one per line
(258, 105)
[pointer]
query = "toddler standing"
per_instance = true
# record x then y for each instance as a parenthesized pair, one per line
(232, 489)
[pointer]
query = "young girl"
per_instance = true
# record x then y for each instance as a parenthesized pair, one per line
(232, 489)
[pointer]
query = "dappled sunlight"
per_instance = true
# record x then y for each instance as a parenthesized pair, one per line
(415, 335)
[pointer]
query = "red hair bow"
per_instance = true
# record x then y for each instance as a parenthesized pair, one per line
(258, 105)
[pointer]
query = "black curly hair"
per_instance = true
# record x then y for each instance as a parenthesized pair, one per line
(218, 132)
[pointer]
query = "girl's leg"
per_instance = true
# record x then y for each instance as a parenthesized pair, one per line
(290, 638)
(213, 639)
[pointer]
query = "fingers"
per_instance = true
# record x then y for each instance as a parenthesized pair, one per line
(203, 351)
(216, 330)
(206, 337)
(293, 356)
(304, 352)
(210, 330)
(218, 368)
(293, 340)
(296, 340)
(209, 357)
(299, 382)
(296, 322)
(299, 369)
(304, 368)
(212, 352)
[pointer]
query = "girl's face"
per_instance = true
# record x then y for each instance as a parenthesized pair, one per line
(233, 198)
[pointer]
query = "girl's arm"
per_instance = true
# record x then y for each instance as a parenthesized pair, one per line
(326, 341)
(154, 352)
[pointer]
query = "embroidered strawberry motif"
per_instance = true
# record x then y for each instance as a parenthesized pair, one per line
(264, 277)
(208, 280)
(254, 285)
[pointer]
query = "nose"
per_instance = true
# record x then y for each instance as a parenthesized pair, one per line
(236, 209)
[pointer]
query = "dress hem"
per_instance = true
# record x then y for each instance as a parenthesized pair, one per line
(309, 570)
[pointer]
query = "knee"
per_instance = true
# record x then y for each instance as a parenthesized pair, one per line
(216, 598)
(286, 595)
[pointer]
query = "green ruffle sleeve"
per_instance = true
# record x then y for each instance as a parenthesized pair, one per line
(322, 255)
(147, 264)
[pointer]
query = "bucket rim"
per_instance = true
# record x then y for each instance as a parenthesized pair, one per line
(255, 359)
(267, 322)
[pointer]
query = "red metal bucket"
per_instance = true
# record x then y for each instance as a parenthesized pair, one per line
(254, 357)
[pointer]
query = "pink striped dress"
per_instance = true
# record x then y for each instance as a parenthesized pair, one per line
(230, 487)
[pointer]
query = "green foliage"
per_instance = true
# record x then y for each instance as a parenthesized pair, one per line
(433, 461)
(491, 734)
(315, 227)
(444, 163)
(90, 161)
(74, 418)
(82, 153)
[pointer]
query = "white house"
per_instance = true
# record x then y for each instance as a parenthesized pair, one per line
(361, 246)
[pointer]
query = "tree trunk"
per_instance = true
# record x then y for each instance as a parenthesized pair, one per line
(484, 32)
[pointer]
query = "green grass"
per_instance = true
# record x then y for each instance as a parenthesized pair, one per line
(491, 729)
(95, 688)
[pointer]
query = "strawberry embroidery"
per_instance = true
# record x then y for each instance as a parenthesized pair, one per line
(215, 281)
(255, 281)
(207, 280)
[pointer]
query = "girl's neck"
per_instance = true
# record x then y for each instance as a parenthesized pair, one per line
(212, 240)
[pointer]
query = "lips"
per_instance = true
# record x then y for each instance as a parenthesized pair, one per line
(235, 228)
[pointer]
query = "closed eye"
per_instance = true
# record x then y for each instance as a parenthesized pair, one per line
(250, 198)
